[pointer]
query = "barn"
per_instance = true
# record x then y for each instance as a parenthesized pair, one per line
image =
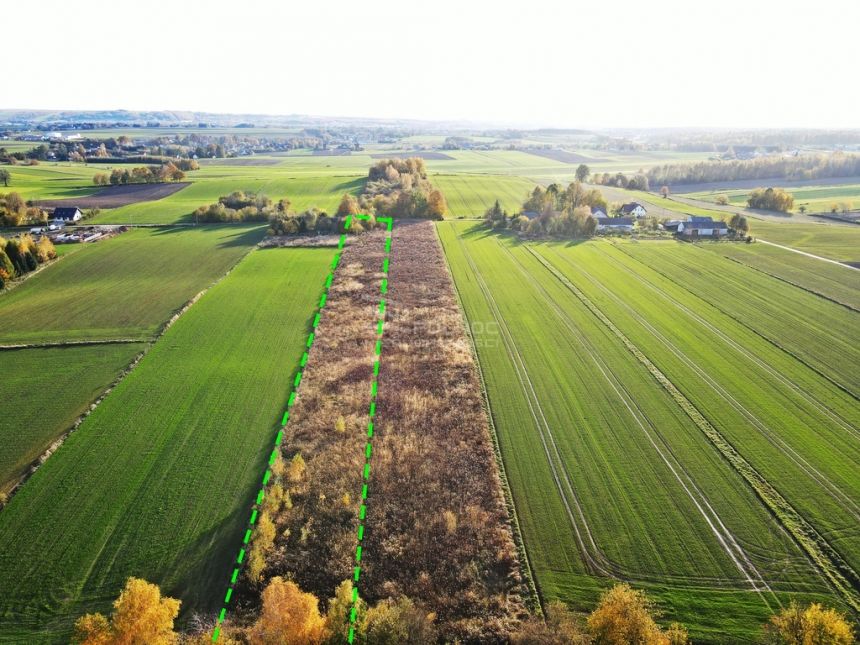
(696, 227)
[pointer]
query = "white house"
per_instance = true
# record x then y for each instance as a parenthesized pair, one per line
(598, 213)
(615, 224)
(634, 209)
(67, 215)
(697, 227)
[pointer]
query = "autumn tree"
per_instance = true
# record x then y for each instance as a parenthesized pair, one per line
(436, 205)
(582, 172)
(664, 190)
(348, 206)
(739, 223)
(5, 176)
(626, 615)
(338, 617)
(722, 200)
(101, 179)
(811, 625)
(140, 615)
(288, 616)
(772, 199)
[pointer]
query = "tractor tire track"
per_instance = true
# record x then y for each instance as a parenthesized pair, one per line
(725, 538)
(839, 574)
(842, 498)
(595, 563)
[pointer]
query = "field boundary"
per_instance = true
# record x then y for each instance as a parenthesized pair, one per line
(536, 598)
(267, 475)
(793, 284)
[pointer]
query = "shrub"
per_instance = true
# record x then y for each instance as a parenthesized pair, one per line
(811, 625)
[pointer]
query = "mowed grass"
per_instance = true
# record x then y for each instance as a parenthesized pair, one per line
(472, 195)
(610, 478)
(158, 481)
(125, 287)
(44, 391)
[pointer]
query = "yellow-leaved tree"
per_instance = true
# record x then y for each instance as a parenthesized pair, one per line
(626, 615)
(289, 616)
(811, 625)
(140, 615)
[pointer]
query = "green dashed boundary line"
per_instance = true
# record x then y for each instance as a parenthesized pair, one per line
(252, 520)
(368, 449)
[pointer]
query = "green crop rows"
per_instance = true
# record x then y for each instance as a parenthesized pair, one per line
(615, 472)
(44, 390)
(157, 480)
(121, 288)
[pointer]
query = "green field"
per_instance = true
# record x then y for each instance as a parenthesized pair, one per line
(831, 281)
(835, 241)
(472, 195)
(44, 391)
(817, 199)
(125, 287)
(616, 474)
(157, 481)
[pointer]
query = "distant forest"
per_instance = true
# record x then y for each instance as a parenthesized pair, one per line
(818, 166)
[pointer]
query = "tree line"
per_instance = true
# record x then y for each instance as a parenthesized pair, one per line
(556, 211)
(23, 254)
(800, 167)
(167, 172)
(290, 616)
(638, 181)
(314, 220)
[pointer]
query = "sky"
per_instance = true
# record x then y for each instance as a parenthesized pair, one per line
(570, 63)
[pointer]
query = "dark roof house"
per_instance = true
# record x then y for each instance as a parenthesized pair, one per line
(67, 214)
(633, 208)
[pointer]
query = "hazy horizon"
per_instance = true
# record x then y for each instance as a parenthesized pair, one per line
(665, 65)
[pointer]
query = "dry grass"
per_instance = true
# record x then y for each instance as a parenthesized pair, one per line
(437, 530)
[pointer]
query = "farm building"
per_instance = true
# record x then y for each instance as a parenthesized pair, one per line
(66, 215)
(615, 224)
(530, 214)
(633, 208)
(702, 227)
(672, 225)
(598, 213)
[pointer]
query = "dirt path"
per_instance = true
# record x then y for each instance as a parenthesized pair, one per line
(810, 255)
